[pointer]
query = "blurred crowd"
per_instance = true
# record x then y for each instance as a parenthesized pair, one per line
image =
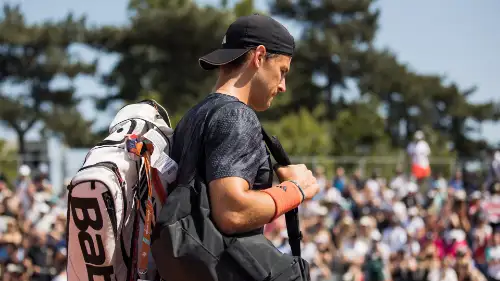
(32, 228)
(376, 229)
(356, 229)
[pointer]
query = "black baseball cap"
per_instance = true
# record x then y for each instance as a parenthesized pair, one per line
(246, 33)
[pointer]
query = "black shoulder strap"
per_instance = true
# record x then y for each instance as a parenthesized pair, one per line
(211, 113)
(291, 217)
(281, 157)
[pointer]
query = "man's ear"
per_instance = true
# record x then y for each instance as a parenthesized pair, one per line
(259, 56)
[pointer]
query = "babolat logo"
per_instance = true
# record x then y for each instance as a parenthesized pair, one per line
(92, 246)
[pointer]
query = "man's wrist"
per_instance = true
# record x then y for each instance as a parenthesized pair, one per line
(300, 189)
(286, 197)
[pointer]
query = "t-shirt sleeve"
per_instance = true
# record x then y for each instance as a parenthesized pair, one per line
(234, 145)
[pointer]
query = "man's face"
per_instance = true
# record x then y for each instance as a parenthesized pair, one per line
(340, 172)
(269, 80)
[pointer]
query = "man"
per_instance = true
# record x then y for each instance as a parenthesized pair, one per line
(357, 179)
(220, 150)
(419, 152)
(399, 181)
(494, 170)
(24, 187)
(319, 174)
(252, 63)
(339, 181)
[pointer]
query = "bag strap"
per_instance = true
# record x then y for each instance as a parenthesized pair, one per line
(291, 217)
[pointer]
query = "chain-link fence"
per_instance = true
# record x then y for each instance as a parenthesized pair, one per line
(384, 165)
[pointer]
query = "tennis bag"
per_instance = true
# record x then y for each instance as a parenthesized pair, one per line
(186, 244)
(114, 198)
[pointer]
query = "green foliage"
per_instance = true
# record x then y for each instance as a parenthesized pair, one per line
(8, 163)
(32, 57)
(301, 133)
(245, 8)
(424, 101)
(358, 129)
(160, 51)
(66, 121)
(158, 58)
(334, 33)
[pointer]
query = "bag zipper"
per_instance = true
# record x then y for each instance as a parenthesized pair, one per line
(108, 165)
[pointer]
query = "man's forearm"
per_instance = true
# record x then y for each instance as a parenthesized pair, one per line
(239, 210)
(256, 209)
(236, 208)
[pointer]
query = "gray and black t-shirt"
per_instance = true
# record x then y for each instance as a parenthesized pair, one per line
(233, 144)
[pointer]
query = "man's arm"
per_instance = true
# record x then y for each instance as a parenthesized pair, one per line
(234, 152)
(236, 208)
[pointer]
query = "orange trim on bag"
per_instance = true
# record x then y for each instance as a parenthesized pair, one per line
(146, 236)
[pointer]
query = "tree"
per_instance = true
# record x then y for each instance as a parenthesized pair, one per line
(301, 134)
(460, 118)
(334, 34)
(419, 101)
(359, 130)
(32, 57)
(159, 52)
(74, 130)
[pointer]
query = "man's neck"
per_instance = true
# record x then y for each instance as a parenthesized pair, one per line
(233, 86)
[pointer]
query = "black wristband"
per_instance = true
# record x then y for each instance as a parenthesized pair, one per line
(300, 188)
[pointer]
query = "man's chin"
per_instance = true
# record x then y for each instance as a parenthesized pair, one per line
(263, 107)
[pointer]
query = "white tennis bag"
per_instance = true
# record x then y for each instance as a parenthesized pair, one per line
(115, 194)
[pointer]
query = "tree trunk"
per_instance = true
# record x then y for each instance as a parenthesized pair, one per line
(22, 144)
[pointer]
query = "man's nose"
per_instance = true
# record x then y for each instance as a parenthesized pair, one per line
(282, 86)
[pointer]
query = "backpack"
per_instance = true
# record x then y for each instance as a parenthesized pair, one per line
(116, 196)
(188, 246)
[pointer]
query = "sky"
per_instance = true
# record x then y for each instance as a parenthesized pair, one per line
(455, 38)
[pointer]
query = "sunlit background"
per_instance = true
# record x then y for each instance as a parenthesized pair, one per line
(367, 75)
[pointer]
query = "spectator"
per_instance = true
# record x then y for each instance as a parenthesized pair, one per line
(494, 170)
(457, 182)
(339, 181)
(399, 180)
(357, 179)
(355, 230)
(419, 152)
(323, 183)
(32, 230)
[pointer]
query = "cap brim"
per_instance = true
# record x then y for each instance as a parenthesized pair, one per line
(220, 57)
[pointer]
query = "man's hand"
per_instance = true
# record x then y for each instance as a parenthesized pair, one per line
(302, 175)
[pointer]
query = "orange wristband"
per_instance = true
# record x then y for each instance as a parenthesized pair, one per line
(286, 196)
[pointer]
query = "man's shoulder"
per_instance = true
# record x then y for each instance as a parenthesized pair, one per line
(234, 110)
(231, 113)
(220, 106)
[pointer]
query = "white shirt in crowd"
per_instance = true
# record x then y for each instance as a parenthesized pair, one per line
(400, 211)
(419, 152)
(398, 183)
(415, 224)
(446, 274)
(395, 238)
(355, 248)
(494, 268)
(61, 277)
(373, 186)
(309, 251)
(494, 172)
